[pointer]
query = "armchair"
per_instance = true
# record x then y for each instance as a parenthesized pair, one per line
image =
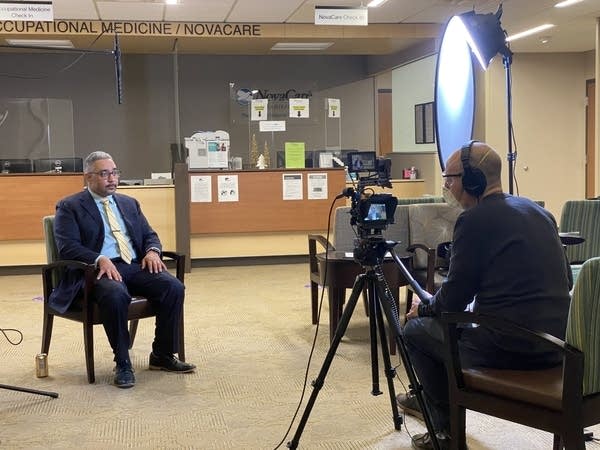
(561, 400)
(429, 226)
(582, 216)
(84, 310)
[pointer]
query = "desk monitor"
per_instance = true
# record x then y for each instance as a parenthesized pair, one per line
(58, 164)
(15, 166)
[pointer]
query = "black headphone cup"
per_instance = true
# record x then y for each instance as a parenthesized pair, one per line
(473, 179)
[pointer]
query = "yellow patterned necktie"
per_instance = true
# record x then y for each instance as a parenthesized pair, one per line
(117, 233)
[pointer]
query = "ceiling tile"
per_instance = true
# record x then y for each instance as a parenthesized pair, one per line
(130, 10)
(75, 9)
(265, 11)
(198, 11)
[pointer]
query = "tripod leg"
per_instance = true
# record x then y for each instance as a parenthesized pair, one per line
(335, 342)
(388, 305)
(30, 391)
(390, 373)
(372, 303)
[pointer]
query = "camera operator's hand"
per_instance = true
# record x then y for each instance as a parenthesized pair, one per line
(414, 309)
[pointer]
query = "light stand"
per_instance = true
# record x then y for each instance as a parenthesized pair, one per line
(511, 156)
(486, 38)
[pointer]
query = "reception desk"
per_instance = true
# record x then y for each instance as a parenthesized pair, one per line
(261, 222)
(29, 197)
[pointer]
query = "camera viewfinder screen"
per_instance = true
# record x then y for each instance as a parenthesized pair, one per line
(376, 212)
(361, 162)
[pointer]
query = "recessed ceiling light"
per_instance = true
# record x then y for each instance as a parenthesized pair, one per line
(302, 46)
(529, 32)
(566, 3)
(171, 2)
(58, 43)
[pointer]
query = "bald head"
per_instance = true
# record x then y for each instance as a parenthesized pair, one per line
(482, 157)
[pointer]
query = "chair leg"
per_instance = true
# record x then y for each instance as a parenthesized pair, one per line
(458, 439)
(181, 352)
(88, 344)
(47, 332)
(573, 439)
(557, 442)
(133, 326)
(314, 301)
(409, 296)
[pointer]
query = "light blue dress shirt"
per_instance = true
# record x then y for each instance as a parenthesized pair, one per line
(110, 247)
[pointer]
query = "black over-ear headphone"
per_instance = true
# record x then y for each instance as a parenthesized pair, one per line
(473, 179)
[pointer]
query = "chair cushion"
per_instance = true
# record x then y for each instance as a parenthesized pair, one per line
(430, 224)
(539, 387)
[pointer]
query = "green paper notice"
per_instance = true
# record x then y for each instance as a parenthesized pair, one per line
(294, 155)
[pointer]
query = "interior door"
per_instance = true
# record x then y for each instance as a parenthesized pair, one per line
(590, 147)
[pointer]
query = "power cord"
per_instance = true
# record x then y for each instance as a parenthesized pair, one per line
(314, 342)
(4, 330)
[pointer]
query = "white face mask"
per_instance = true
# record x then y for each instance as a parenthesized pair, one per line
(449, 198)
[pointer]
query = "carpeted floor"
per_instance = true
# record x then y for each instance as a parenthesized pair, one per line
(248, 329)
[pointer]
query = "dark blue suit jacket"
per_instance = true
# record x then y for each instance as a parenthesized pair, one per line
(79, 235)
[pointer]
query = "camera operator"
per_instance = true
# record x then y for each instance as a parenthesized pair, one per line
(507, 257)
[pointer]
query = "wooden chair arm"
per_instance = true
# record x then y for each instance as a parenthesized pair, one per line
(317, 238)
(572, 357)
(179, 263)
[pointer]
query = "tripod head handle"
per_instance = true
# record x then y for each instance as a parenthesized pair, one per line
(423, 295)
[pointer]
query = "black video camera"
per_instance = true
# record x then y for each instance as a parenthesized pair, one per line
(358, 162)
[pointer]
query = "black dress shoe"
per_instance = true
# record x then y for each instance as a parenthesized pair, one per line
(169, 363)
(124, 377)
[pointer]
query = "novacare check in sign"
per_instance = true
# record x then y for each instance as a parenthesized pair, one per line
(328, 15)
(34, 11)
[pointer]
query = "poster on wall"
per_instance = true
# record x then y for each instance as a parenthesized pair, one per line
(259, 109)
(292, 186)
(334, 108)
(299, 108)
(201, 188)
(228, 188)
(317, 186)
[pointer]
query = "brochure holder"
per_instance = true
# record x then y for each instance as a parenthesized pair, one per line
(208, 150)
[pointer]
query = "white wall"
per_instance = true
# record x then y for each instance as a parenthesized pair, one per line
(411, 84)
(548, 92)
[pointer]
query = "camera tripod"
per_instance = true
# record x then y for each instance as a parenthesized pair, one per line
(30, 391)
(22, 389)
(370, 253)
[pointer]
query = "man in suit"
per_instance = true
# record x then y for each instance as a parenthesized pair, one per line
(100, 227)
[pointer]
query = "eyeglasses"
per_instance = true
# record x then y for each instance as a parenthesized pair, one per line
(107, 173)
(448, 178)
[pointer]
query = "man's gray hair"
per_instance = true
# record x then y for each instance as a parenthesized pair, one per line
(93, 157)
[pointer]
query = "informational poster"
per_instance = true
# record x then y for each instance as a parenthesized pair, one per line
(292, 186)
(259, 109)
(201, 188)
(334, 108)
(228, 188)
(271, 125)
(294, 155)
(317, 186)
(299, 108)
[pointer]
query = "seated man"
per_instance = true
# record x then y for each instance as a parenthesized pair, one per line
(98, 226)
(508, 260)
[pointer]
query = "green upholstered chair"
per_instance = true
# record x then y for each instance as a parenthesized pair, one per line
(561, 400)
(84, 310)
(582, 216)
